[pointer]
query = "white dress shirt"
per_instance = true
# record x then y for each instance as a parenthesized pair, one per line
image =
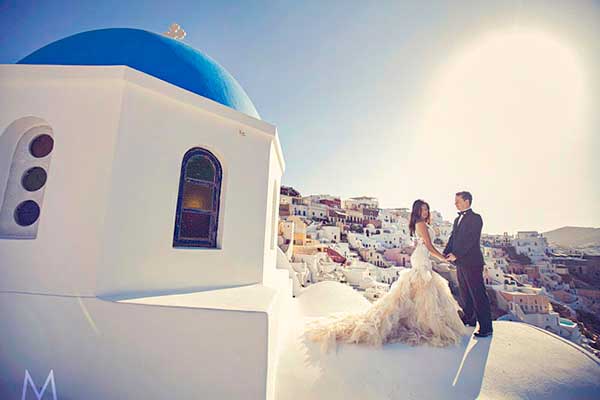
(460, 217)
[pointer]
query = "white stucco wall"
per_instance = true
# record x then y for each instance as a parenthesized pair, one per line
(155, 132)
(110, 200)
(109, 350)
(84, 115)
(275, 172)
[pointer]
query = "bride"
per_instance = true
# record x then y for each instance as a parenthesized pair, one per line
(418, 308)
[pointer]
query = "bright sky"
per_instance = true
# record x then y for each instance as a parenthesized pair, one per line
(398, 100)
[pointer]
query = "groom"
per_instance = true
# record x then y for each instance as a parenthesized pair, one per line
(463, 249)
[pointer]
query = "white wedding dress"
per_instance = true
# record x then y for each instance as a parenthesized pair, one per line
(418, 309)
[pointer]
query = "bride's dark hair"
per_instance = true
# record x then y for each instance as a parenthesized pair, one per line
(415, 215)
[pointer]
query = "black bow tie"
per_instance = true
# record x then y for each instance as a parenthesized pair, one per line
(462, 212)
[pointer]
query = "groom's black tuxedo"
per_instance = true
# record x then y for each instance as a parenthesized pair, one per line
(464, 240)
(464, 244)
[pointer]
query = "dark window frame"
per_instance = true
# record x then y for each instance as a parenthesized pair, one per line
(211, 242)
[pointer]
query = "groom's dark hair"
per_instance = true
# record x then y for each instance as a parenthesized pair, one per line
(466, 196)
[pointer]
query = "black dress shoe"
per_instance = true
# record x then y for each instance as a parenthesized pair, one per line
(483, 334)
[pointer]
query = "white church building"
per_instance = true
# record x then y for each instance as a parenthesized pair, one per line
(139, 195)
(138, 222)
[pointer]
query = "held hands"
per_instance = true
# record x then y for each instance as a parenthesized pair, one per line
(441, 257)
(451, 257)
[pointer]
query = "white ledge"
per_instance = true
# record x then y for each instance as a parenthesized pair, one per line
(257, 298)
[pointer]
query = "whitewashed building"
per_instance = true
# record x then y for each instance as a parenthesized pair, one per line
(139, 194)
(532, 244)
(299, 208)
(533, 307)
(317, 211)
(387, 215)
(436, 217)
(374, 257)
(444, 230)
(316, 198)
(329, 233)
(342, 248)
(391, 238)
(357, 203)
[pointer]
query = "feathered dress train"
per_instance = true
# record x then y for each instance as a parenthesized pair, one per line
(418, 309)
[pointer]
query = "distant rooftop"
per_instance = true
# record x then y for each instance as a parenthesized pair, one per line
(363, 198)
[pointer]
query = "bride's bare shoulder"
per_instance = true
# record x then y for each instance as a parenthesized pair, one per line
(420, 226)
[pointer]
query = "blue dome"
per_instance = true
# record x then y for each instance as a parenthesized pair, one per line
(157, 55)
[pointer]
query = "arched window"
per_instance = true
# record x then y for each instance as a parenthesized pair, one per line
(197, 217)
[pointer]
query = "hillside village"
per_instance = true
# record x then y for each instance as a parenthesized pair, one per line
(355, 242)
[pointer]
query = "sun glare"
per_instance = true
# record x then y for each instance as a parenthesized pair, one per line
(505, 116)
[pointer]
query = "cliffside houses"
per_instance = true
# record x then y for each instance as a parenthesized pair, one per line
(351, 241)
(525, 280)
(531, 305)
